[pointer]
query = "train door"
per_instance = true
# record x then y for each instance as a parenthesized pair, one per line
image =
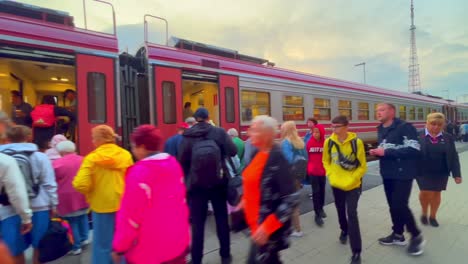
(201, 89)
(229, 101)
(96, 96)
(168, 91)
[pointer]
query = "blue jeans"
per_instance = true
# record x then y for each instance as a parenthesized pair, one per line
(80, 229)
(104, 226)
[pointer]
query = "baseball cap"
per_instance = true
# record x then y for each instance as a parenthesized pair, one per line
(201, 114)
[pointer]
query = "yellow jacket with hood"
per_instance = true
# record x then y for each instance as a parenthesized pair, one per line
(338, 177)
(101, 178)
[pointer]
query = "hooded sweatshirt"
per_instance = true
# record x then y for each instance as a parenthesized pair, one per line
(41, 168)
(154, 212)
(314, 149)
(70, 201)
(338, 177)
(101, 177)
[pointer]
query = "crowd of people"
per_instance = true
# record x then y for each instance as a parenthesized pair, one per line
(154, 210)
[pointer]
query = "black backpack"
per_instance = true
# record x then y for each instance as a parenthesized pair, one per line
(205, 168)
(24, 163)
(55, 243)
(346, 163)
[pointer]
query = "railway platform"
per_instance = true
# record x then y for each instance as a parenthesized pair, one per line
(445, 244)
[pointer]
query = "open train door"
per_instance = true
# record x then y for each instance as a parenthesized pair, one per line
(229, 101)
(95, 77)
(168, 91)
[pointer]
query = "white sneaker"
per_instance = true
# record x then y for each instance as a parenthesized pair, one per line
(297, 234)
(86, 242)
(75, 252)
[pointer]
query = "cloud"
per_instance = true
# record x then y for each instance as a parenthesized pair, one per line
(316, 36)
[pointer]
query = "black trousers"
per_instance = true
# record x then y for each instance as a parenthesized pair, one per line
(318, 191)
(198, 210)
(398, 194)
(271, 257)
(346, 203)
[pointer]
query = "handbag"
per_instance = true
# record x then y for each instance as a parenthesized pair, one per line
(234, 188)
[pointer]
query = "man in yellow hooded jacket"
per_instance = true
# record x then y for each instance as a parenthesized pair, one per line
(101, 179)
(344, 160)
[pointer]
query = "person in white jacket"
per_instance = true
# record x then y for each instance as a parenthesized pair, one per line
(16, 211)
(45, 203)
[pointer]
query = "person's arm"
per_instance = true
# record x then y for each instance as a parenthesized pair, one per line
(131, 213)
(410, 147)
(456, 171)
(326, 159)
(82, 181)
(47, 180)
(60, 111)
(288, 196)
(184, 155)
(15, 187)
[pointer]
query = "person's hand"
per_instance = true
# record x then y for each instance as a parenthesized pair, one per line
(458, 180)
(240, 206)
(116, 258)
(26, 228)
(260, 237)
(379, 152)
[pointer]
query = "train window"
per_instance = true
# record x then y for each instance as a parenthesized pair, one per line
(420, 113)
(96, 85)
(169, 103)
(345, 108)
(375, 110)
(254, 104)
(363, 111)
(322, 109)
(293, 107)
(230, 107)
(412, 113)
(402, 112)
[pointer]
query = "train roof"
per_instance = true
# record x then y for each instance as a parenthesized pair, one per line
(184, 56)
(214, 50)
(51, 29)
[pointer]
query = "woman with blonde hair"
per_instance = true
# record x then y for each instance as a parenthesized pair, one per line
(293, 149)
(439, 159)
(101, 179)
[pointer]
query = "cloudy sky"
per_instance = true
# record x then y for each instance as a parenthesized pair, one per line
(324, 37)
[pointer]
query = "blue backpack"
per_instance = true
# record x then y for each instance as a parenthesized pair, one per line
(299, 166)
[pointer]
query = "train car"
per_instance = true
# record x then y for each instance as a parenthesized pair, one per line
(43, 53)
(235, 88)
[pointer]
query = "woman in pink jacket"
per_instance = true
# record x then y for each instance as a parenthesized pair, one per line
(153, 223)
(72, 204)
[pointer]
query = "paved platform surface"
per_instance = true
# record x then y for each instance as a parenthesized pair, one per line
(447, 244)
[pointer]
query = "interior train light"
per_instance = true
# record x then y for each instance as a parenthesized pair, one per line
(3, 75)
(64, 79)
(54, 79)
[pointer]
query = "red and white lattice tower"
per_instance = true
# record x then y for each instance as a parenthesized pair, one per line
(414, 80)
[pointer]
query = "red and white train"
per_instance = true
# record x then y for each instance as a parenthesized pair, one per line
(43, 53)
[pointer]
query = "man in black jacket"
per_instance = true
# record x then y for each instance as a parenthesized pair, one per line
(207, 181)
(399, 152)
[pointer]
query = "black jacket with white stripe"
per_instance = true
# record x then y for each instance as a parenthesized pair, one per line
(402, 151)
